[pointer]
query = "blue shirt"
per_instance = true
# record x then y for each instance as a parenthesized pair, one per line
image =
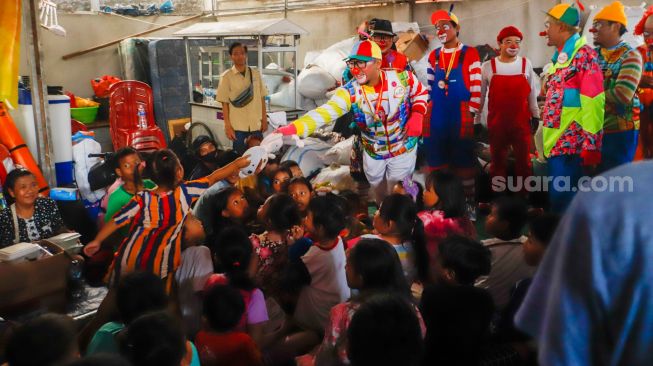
(591, 301)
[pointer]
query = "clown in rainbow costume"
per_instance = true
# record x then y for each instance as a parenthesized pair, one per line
(388, 107)
(572, 116)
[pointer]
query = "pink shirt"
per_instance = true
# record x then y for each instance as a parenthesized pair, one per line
(437, 228)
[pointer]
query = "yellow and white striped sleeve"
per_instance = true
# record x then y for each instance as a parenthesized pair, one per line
(337, 106)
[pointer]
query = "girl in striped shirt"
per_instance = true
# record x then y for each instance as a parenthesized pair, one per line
(156, 217)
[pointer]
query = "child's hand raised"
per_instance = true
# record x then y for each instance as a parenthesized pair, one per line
(91, 248)
(241, 162)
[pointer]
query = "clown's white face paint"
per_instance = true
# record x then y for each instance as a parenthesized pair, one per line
(509, 47)
(445, 31)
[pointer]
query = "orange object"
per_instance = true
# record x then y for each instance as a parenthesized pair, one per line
(11, 138)
(102, 85)
(10, 19)
(6, 163)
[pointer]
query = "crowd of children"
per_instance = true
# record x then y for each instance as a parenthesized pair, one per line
(277, 275)
(205, 267)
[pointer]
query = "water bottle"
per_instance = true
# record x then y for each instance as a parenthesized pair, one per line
(142, 117)
(267, 103)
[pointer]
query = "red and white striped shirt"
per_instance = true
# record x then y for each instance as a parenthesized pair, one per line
(471, 71)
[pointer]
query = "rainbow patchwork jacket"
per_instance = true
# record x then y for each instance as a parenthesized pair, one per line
(383, 129)
(573, 112)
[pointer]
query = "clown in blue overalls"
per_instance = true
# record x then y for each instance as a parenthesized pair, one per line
(454, 75)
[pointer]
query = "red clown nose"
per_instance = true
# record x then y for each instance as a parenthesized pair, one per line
(356, 71)
(543, 34)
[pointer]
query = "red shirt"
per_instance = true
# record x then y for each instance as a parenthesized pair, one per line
(471, 69)
(393, 60)
(227, 349)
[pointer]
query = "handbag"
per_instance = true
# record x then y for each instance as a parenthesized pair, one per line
(246, 96)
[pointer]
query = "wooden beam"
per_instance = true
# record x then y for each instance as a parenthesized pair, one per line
(39, 92)
(98, 47)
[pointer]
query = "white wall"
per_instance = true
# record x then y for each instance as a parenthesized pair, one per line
(84, 31)
(480, 20)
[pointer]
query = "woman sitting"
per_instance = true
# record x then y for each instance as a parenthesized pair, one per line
(29, 217)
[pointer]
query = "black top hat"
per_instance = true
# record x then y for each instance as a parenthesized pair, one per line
(381, 26)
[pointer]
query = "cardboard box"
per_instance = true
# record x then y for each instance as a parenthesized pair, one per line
(412, 45)
(34, 286)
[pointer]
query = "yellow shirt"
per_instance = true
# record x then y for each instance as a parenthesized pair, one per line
(232, 83)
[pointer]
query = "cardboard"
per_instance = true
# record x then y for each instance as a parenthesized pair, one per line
(34, 286)
(176, 127)
(412, 45)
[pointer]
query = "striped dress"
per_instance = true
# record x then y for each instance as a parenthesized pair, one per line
(622, 69)
(155, 232)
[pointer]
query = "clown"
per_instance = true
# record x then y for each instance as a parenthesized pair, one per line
(572, 117)
(454, 75)
(388, 108)
(622, 68)
(645, 90)
(380, 31)
(513, 87)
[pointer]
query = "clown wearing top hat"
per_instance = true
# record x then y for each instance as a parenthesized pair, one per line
(572, 117)
(622, 69)
(512, 86)
(380, 31)
(388, 107)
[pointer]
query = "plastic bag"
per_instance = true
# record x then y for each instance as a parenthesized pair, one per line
(101, 86)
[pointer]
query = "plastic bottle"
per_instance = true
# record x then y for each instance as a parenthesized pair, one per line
(267, 103)
(142, 117)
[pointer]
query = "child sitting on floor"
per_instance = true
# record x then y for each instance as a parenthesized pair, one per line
(397, 223)
(445, 210)
(505, 223)
(238, 264)
(281, 218)
(301, 191)
(324, 264)
(48, 340)
(373, 268)
(318, 276)
(457, 314)
(223, 344)
(138, 293)
(156, 339)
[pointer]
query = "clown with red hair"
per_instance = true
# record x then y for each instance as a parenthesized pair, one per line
(645, 91)
(512, 88)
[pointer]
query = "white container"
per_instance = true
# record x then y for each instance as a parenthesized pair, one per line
(59, 112)
(62, 145)
(23, 117)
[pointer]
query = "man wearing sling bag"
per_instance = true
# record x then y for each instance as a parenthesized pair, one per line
(242, 94)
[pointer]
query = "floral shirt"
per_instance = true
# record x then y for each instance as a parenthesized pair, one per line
(573, 111)
(45, 223)
(273, 258)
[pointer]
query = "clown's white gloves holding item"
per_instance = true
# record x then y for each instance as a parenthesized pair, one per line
(274, 141)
